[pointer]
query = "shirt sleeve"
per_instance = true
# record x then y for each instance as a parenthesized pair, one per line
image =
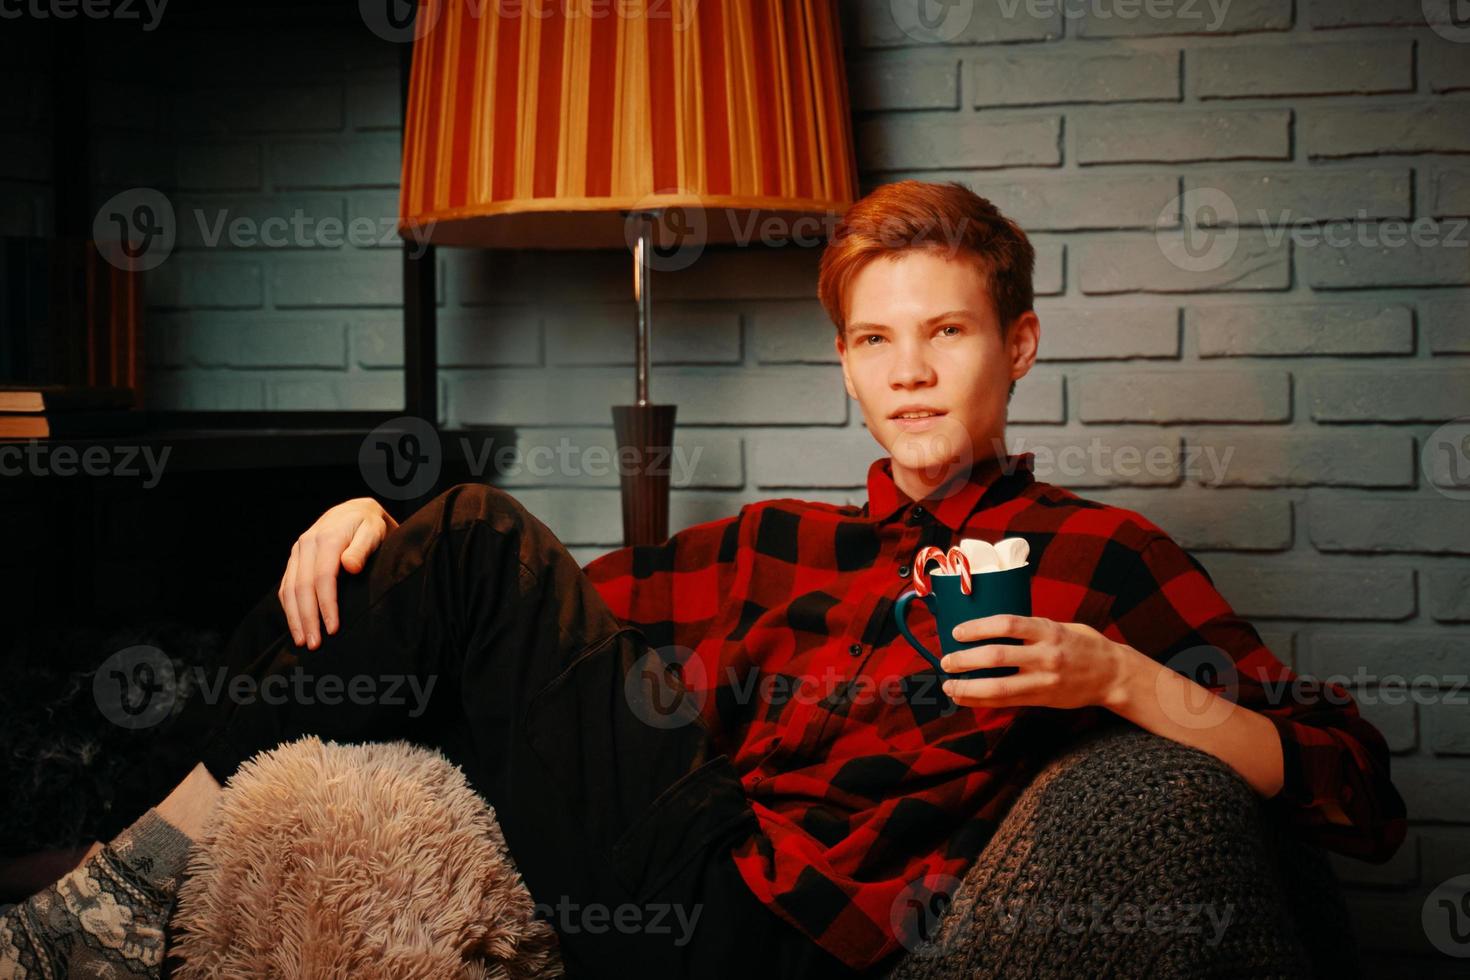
(671, 591)
(1169, 609)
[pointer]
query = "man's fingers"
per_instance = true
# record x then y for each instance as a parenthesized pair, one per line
(306, 593)
(364, 542)
(288, 597)
(325, 575)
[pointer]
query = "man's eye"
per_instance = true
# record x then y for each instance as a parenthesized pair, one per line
(951, 326)
(870, 337)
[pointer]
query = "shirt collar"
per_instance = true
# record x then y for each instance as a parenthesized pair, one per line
(887, 502)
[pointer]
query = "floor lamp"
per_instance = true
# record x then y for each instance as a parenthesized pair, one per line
(579, 124)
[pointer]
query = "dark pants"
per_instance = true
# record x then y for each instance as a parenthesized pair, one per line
(600, 808)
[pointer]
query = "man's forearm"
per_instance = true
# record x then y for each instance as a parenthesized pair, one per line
(1169, 704)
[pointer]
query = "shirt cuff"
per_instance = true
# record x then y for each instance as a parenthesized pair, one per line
(1294, 789)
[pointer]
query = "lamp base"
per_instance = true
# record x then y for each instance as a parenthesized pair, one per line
(645, 447)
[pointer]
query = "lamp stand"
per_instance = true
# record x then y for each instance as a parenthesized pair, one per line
(644, 431)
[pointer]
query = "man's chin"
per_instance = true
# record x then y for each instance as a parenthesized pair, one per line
(934, 456)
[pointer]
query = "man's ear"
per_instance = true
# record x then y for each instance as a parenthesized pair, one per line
(1022, 341)
(846, 377)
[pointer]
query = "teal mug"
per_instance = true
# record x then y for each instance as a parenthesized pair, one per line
(1007, 591)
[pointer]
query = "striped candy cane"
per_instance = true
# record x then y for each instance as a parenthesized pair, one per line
(954, 562)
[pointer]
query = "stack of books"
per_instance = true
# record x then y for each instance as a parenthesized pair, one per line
(61, 411)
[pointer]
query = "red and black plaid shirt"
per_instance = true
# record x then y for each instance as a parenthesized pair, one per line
(867, 781)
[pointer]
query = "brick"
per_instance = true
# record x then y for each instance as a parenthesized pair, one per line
(1183, 136)
(883, 23)
(374, 219)
(264, 342)
(1364, 13)
(199, 391)
(1082, 203)
(219, 167)
(1450, 193)
(256, 109)
(1400, 657)
(205, 282)
(1399, 871)
(372, 101)
(884, 82)
(478, 277)
(1038, 398)
(1394, 715)
(605, 334)
(1231, 520)
(360, 162)
(1445, 851)
(575, 396)
(164, 341)
(1321, 588)
(812, 457)
(1440, 127)
(1020, 77)
(788, 332)
(731, 273)
(1392, 253)
(1446, 323)
(1210, 18)
(1104, 333)
(1365, 68)
(1183, 396)
(927, 140)
(577, 517)
(1381, 395)
(1378, 458)
(1433, 790)
(366, 278)
(1445, 65)
(1301, 329)
(1449, 595)
(1398, 523)
(1050, 275)
(253, 222)
(490, 337)
(1165, 262)
(1448, 727)
(355, 393)
(587, 457)
(1100, 458)
(1282, 198)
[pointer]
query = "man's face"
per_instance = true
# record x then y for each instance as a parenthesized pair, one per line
(923, 336)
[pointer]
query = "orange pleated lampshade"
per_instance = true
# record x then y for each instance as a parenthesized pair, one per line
(538, 123)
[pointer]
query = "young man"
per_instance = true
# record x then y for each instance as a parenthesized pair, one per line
(818, 777)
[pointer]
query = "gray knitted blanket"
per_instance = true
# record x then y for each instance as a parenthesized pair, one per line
(1133, 856)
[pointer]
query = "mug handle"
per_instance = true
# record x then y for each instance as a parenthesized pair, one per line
(901, 613)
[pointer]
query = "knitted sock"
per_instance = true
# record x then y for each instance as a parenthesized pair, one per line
(104, 919)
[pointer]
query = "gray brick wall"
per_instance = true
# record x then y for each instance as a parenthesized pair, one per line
(1266, 383)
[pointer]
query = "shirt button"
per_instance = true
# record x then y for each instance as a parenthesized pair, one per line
(856, 649)
(916, 515)
(903, 571)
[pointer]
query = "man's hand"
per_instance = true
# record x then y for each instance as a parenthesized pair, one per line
(1062, 665)
(342, 537)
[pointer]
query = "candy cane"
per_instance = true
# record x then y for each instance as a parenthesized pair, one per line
(921, 579)
(959, 563)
